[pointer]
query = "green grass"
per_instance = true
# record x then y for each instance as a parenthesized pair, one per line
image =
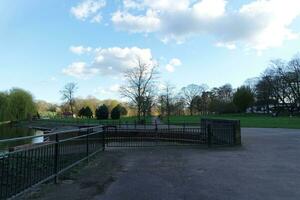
(247, 120)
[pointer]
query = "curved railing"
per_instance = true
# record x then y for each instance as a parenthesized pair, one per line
(25, 166)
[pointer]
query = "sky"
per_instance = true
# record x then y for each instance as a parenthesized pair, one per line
(46, 44)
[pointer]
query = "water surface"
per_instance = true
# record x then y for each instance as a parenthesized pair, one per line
(8, 131)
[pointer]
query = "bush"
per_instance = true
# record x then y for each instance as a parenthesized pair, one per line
(102, 112)
(88, 112)
(81, 112)
(123, 110)
(85, 112)
(116, 112)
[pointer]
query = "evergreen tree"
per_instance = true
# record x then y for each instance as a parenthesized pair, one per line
(116, 112)
(102, 112)
(88, 112)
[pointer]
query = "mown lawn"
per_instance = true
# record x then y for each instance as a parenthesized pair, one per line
(247, 120)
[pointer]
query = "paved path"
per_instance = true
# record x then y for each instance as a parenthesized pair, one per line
(267, 166)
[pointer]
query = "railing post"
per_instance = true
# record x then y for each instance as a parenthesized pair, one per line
(183, 127)
(209, 135)
(156, 126)
(103, 139)
(87, 144)
(135, 124)
(168, 123)
(56, 152)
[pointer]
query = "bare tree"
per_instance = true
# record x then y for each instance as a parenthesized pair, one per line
(68, 95)
(190, 92)
(140, 84)
(167, 98)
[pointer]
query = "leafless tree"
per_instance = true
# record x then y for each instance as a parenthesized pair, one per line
(167, 98)
(190, 92)
(140, 85)
(68, 95)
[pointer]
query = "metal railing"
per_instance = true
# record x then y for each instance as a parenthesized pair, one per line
(31, 165)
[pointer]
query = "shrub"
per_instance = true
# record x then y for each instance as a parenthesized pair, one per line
(116, 112)
(81, 112)
(123, 110)
(102, 112)
(88, 112)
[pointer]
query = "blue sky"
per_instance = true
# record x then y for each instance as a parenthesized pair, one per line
(46, 44)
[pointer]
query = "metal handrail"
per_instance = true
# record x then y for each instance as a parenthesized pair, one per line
(48, 134)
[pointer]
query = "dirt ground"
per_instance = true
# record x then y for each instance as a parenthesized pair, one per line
(267, 166)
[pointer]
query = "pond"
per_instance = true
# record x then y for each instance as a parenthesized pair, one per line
(9, 131)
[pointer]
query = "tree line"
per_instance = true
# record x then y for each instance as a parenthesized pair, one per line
(275, 91)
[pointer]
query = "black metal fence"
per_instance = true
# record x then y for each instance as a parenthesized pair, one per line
(31, 165)
(212, 132)
(130, 137)
(26, 166)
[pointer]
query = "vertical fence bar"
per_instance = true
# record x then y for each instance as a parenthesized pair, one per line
(209, 135)
(56, 150)
(87, 144)
(103, 139)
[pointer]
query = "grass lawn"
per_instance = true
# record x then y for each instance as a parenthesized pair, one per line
(247, 120)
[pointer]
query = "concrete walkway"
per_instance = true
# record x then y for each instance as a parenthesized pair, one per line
(267, 166)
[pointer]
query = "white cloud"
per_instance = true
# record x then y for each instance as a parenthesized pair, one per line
(108, 61)
(97, 18)
(174, 62)
(106, 91)
(259, 24)
(80, 70)
(80, 49)
(89, 9)
(127, 21)
(114, 88)
(116, 59)
(229, 46)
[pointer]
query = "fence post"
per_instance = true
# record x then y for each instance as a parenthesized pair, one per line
(209, 135)
(156, 126)
(168, 124)
(135, 124)
(184, 127)
(87, 144)
(103, 139)
(56, 152)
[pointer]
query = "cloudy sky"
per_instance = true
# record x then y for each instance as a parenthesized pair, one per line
(45, 44)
